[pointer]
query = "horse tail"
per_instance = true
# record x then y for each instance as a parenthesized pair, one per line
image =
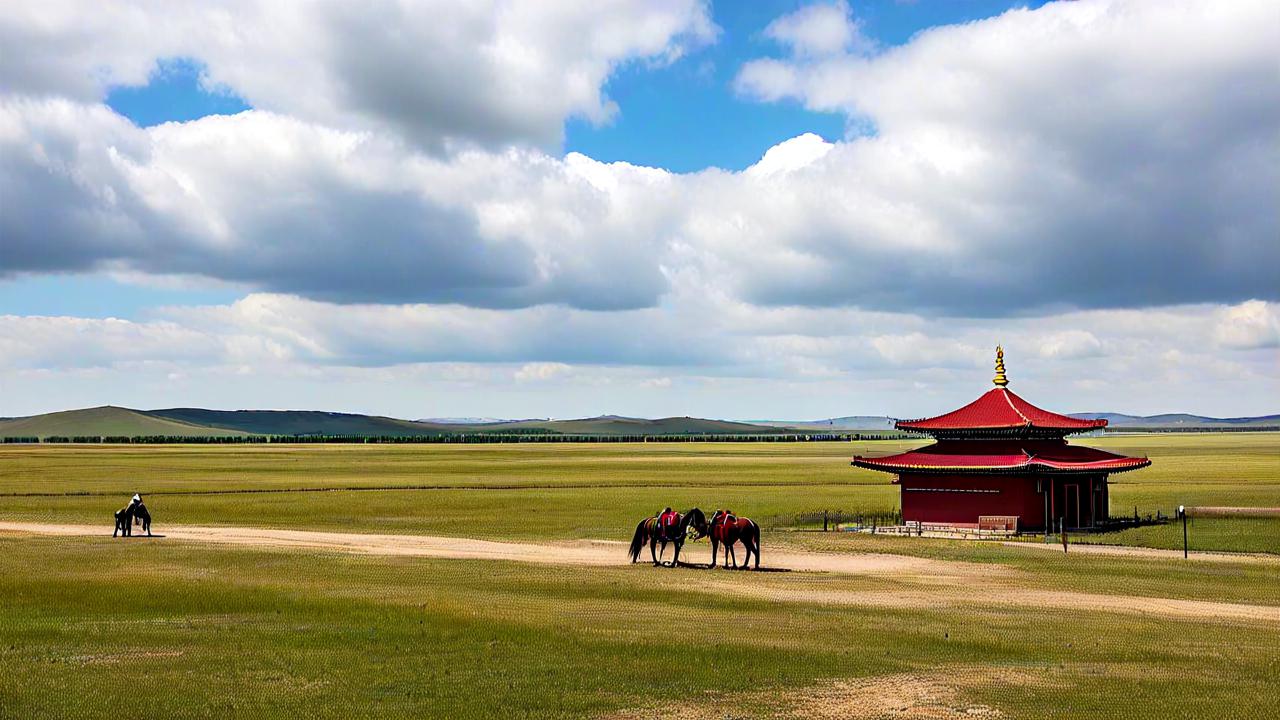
(755, 538)
(637, 542)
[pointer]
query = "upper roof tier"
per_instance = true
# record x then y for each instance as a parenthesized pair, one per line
(1000, 413)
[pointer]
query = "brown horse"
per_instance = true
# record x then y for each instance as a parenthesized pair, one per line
(728, 529)
(651, 532)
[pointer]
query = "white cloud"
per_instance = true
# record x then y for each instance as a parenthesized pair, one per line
(790, 155)
(1250, 325)
(820, 29)
(540, 372)
(443, 73)
(1058, 152)
(272, 202)
(1070, 344)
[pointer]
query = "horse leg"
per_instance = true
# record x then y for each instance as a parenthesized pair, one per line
(715, 550)
(653, 544)
(116, 529)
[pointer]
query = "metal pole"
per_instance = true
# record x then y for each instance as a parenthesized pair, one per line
(1183, 512)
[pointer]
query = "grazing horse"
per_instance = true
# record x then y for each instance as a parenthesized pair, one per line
(652, 532)
(728, 529)
(124, 520)
(140, 513)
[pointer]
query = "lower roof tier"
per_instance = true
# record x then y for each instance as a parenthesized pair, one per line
(1001, 456)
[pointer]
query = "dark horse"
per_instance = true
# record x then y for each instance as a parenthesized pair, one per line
(728, 529)
(140, 513)
(125, 518)
(649, 531)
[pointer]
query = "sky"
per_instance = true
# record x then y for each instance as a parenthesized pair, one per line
(744, 210)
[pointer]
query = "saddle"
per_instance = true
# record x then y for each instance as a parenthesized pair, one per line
(667, 523)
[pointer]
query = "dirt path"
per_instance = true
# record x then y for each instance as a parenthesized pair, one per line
(583, 552)
(1155, 553)
(1007, 596)
(932, 582)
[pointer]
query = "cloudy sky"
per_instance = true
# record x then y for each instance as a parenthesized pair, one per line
(642, 207)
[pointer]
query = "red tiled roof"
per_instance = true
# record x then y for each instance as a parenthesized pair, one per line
(1000, 409)
(988, 455)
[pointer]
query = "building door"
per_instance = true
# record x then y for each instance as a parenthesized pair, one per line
(1071, 505)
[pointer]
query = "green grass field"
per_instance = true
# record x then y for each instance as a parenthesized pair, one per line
(91, 627)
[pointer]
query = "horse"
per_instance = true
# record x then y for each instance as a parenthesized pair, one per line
(124, 520)
(140, 513)
(728, 529)
(649, 531)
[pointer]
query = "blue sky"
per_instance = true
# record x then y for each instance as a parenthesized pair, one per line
(686, 117)
(440, 234)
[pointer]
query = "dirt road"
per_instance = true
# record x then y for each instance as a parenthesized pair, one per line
(584, 552)
(927, 582)
(1154, 553)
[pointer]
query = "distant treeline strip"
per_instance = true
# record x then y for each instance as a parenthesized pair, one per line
(457, 438)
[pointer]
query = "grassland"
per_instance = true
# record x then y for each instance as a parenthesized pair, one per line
(532, 491)
(90, 627)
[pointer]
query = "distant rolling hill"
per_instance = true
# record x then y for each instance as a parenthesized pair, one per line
(303, 422)
(105, 421)
(1180, 420)
(617, 425)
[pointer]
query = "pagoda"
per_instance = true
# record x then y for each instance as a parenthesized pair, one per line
(1002, 463)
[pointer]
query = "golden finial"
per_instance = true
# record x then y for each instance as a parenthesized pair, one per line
(1000, 380)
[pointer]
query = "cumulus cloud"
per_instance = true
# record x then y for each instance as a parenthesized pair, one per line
(1070, 344)
(1052, 156)
(280, 204)
(539, 372)
(443, 73)
(1250, 325)
(69, 342)
(820, 29)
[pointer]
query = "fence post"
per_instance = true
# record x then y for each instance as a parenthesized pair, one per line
(824, 521)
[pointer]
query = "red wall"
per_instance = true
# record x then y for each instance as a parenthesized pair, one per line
(942, 499)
